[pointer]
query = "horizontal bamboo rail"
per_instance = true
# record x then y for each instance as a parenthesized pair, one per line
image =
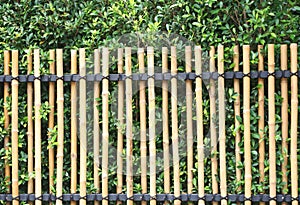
(208, 103)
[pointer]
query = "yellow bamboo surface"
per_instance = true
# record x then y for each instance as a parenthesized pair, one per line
(152, 137)
(246, 119)
(51, 119)
(96, 134)
(120, 127)
(261, 121)
(189, 119)
(237, 112)
(271, 123)
(213, 131)
(105, 125)
(222, 129)
(165, 112)
(37, 127)
(176, 168)
(294, 122)
(285, 119)
(129, 145)
(60, 125)
(82, 125)
(199, 115)
(6, 119)
(14, 127)
(73, 125)
(143, 123)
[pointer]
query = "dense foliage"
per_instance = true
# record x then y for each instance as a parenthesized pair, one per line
(91, 24)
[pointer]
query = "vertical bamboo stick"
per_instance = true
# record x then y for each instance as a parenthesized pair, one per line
(175, 142)
(82, 125)
(105, 126)
(60, 125)
(285, 119)
(261, 121)
(237, 112)
(6, 119)
(199, 115)
(30, 186)
(51, 119)
(37, 127)
(222, 129)
(129, 146)
(165, 111)
(143, 121)
(152, 138)
(96, 123)
(14, 127)
(246, 119)
(271, 123)
(213, 131)
(189, 117)
(121, 121)
(73, 125)
(294, 123)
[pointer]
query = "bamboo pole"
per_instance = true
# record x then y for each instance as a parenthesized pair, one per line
(120, 130)
(51, 120)
(60, 125)
(165, 111)
(82, 125)
(294, 123)
(175, 142)
(105, 126)
(152, 137)
(271, 123)
(14, 127)
(246, 119)
(189, 117)
(73, 125)
(129, 146)
(30, 185)
(96, 123)
(285, 120)
(222, 128)
(143, 124)
(213, 131)
(199, 115)
(237, 112)
(261, 121)
(6, 120)
(37, 127)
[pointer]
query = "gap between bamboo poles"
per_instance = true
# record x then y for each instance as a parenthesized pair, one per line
(51, 120)
(261, 121)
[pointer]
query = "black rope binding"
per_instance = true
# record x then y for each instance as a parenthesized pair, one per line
(147, 197)
(229, 75)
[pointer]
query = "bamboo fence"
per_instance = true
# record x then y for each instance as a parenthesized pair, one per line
(137, 149)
